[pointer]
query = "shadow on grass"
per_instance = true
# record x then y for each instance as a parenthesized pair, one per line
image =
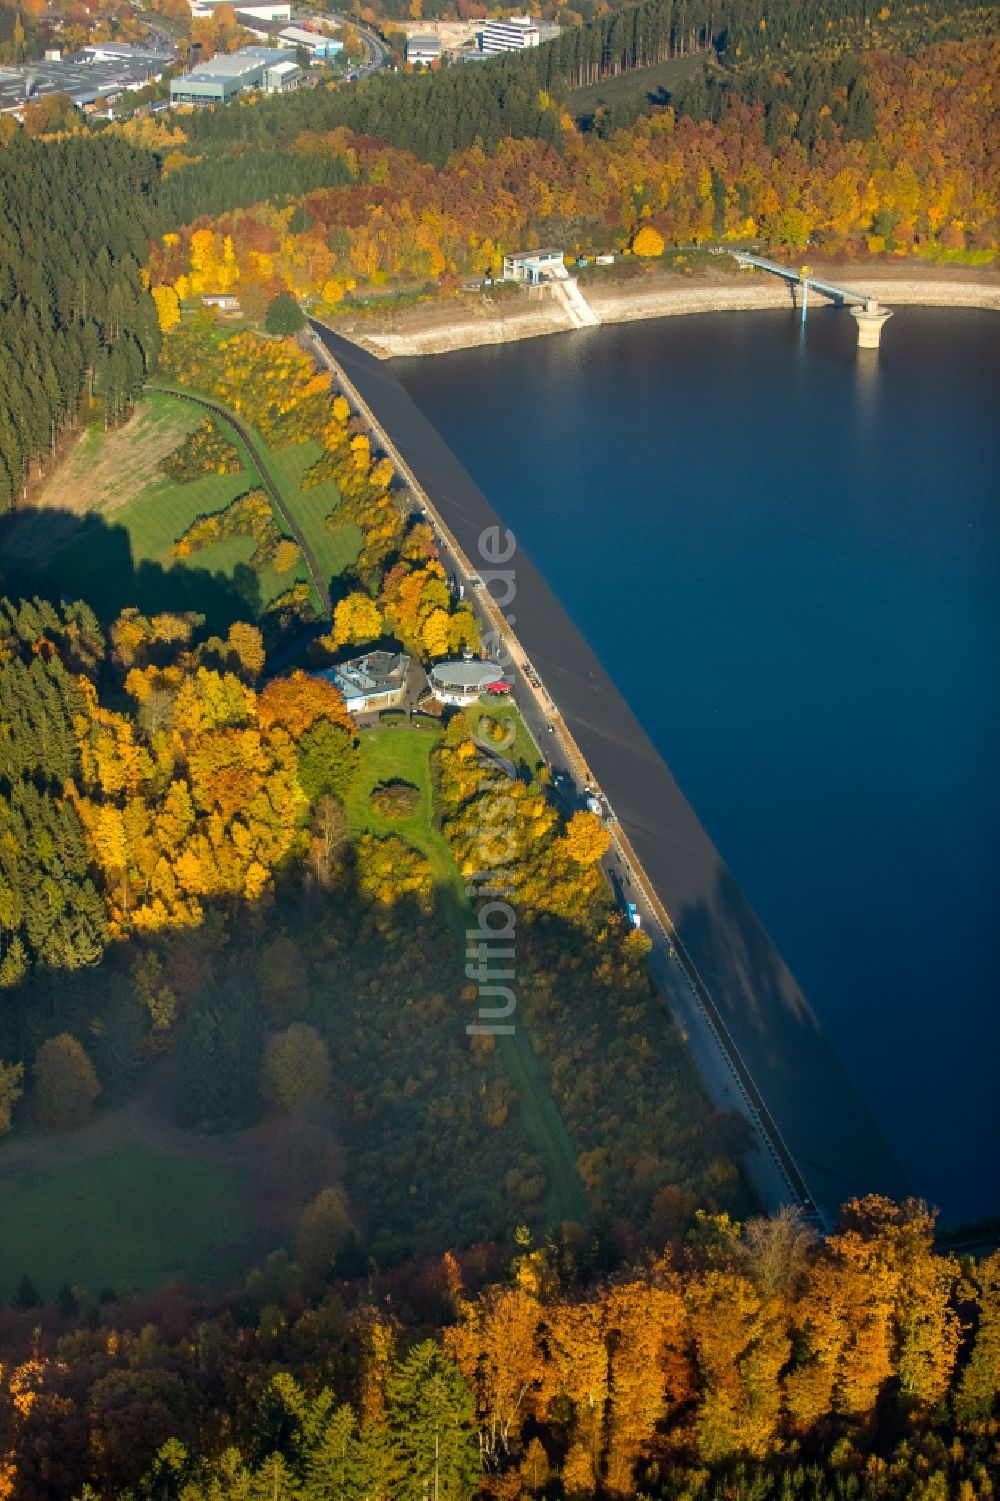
(86, 557)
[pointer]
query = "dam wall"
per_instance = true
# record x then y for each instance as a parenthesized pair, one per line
(818, 1114)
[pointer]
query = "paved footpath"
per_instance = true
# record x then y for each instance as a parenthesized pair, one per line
(753, 1036)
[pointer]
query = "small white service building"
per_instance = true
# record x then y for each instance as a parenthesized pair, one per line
(534, 266)
(423, 50)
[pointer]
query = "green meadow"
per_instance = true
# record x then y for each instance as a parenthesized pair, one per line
(107, 521)
(129, 1218)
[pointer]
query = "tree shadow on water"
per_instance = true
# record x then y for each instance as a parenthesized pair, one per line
(824, 1121)
(55, 553)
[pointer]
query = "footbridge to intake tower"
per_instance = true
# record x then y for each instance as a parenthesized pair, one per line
(865, 309)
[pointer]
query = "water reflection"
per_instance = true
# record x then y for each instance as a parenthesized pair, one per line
(809, 531)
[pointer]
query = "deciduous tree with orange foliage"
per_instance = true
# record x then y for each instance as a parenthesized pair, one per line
(296, 702)
(918, 178)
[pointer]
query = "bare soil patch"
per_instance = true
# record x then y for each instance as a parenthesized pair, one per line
(107, 470)
(102, 471)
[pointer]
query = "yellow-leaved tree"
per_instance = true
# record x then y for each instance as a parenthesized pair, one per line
(648, 242)
(436, 633)
(587, 840)
(356, 620)
(168, 307)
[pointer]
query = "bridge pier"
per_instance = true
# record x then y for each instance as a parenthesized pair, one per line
(867, 313)
(870, 319)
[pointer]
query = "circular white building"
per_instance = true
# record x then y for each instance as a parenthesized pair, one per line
(461, 683)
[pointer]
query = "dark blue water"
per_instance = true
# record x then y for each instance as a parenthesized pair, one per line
(787, 555)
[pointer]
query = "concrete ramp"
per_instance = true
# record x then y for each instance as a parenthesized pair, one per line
(578, 310)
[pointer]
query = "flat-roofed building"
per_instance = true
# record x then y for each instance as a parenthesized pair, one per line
(324, 48)
(223, 78)
(279, 11)
(534, 266)
(512, 35)
(281, 77)
(124, 52)
(423, 50)
(371, 683)
(88, 80)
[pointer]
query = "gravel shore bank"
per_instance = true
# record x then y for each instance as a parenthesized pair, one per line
(437, 327)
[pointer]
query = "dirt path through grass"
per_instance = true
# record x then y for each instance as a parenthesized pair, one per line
(278, 501)
(147, 1117)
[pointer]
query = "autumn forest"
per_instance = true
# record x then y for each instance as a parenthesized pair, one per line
(273, 1223)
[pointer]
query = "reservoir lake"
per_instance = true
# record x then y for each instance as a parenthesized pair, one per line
(786, 553)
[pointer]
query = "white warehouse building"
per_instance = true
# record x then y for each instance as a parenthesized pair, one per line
(281, 10)
(323, 47)
(423, 49)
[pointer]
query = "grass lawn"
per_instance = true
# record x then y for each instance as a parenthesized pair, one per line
(405, 752)
(128, 558)
(524, 752)
(333, 548)
(108, 521)
(132, 1218)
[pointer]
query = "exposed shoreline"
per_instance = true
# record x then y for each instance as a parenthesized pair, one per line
(437, 328)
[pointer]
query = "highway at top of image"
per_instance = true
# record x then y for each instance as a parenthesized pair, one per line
(376, 51)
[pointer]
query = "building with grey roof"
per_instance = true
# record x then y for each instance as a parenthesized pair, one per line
(87, 79)
(273, 70)
(461, 683)
(373, 682)
(423, 49)
(324, 47)
(126, 52)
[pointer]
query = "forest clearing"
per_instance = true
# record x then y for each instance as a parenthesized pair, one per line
(109, 467)
(121, 1205)
(300, 1198)
(110, 511)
